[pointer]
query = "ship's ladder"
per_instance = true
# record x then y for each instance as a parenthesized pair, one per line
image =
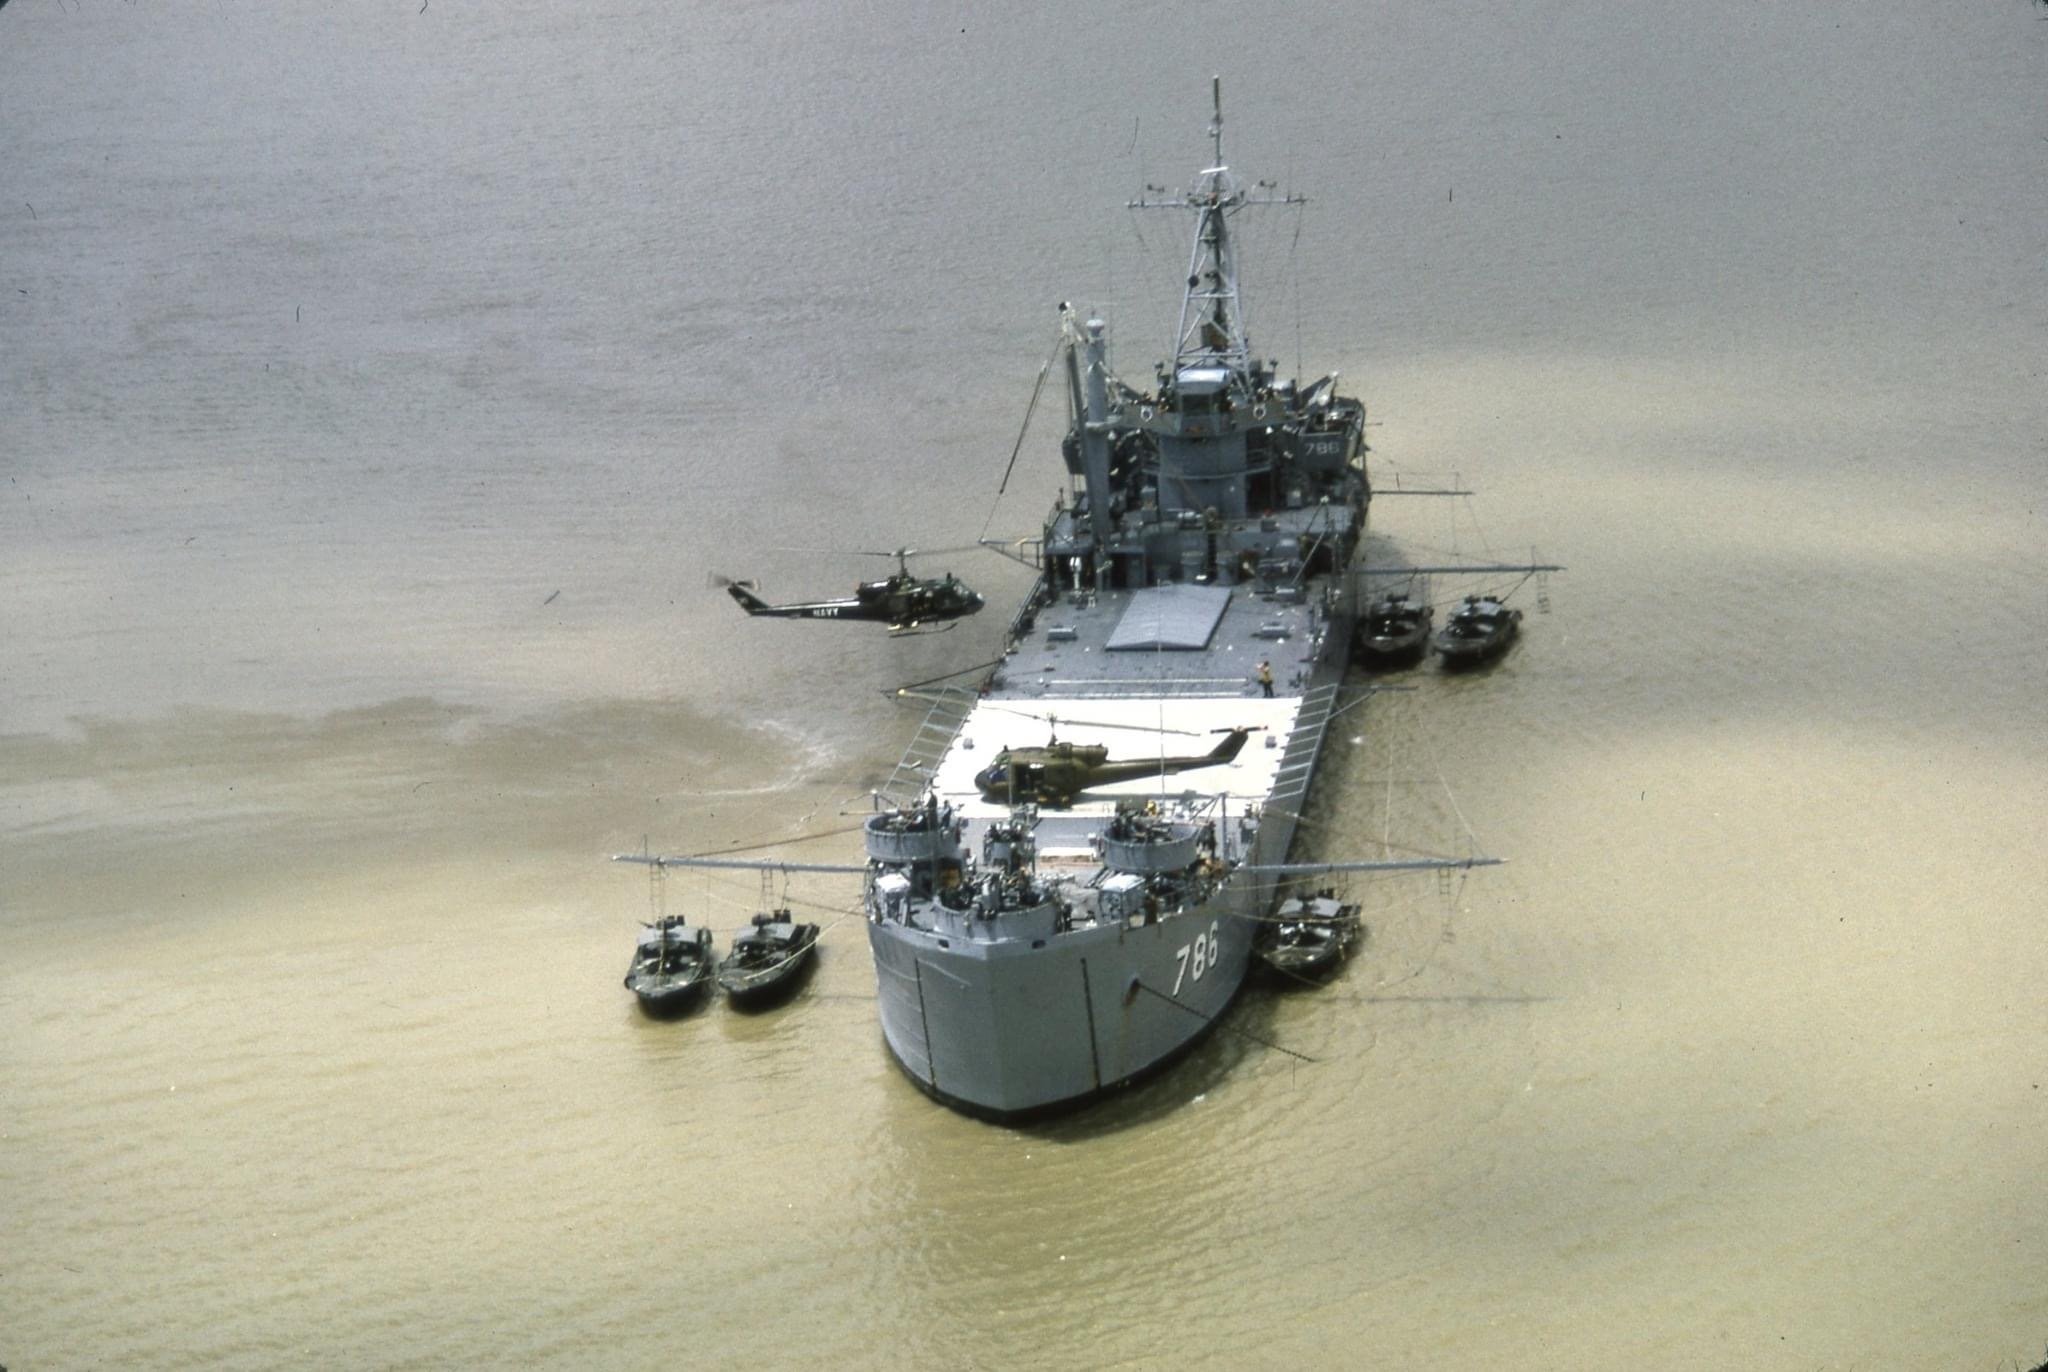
(949, 709)
(1297, 763)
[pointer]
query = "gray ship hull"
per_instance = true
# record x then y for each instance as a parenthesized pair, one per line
(1007, 1032)
(1010, 1029)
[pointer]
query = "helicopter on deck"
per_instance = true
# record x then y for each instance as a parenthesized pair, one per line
(902, 601)
(1054, 773)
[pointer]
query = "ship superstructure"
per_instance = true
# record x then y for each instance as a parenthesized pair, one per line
(1037, 944)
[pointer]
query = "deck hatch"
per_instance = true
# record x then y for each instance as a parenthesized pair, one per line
(1179, 617)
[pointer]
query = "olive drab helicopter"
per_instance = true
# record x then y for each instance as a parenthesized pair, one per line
(902, 601)
(1053, 774)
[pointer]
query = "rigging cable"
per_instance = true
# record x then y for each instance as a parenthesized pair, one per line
(943, 676)
(1294, 268)
(1215, 1023)
(780, 842)
(1457, 892)
(1037, 388)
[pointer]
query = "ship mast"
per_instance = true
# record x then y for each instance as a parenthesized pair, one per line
(1212, 333)
(1211, 324)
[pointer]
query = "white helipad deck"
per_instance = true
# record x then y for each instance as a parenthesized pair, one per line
(1131, 729)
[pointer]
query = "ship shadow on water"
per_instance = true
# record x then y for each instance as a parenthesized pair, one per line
(1244, 1033)
(1247, 1037)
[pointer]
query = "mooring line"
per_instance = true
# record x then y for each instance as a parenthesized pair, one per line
(1214, 1023)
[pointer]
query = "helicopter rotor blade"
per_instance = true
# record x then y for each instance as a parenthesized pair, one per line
(918, 552)
(1052, 719)
(985, 546)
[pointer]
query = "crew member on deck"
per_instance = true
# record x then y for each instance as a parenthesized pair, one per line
(1266, 679)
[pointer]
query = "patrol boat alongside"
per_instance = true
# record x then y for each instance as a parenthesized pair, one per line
(671, 967)
(1308, 938)
(768, 959)
(1395, 631)
(1478, 631)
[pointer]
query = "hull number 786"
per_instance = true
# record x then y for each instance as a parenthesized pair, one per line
(1197, 957)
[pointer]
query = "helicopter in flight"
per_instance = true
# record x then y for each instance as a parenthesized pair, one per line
(902, 601)
(1054, 773)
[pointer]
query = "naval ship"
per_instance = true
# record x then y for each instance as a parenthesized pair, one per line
(1065, 875)
(1052, 919)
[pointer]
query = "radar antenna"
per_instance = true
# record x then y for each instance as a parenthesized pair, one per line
(1212, 333)
(1216, 120)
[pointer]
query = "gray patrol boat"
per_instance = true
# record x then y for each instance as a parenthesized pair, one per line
(1040, 947)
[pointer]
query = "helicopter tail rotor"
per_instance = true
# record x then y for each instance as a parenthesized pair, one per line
(743, 592)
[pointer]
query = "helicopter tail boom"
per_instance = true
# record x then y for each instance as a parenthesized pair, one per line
(1230, 747)
(743, 593)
